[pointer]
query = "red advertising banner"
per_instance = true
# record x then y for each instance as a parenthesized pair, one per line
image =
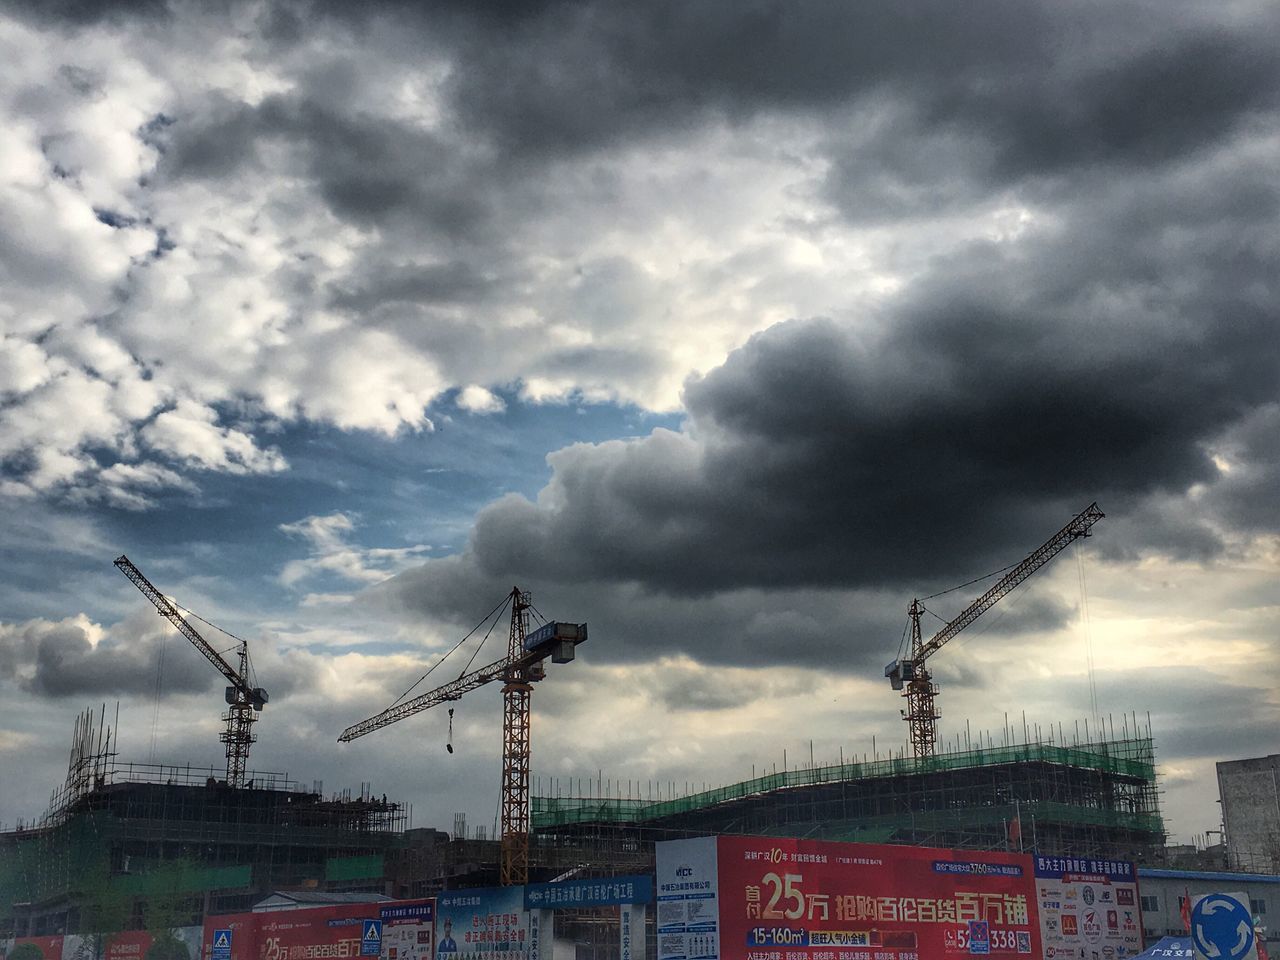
(325, 933)
(128, 945)
(50, 948)
(319, 933)
(787, 899)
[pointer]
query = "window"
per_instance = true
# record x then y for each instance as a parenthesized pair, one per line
(1150, 904)
(1258, 907)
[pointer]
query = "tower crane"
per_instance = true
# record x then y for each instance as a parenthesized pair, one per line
(518, 670)
(913, 674)
(244, 701)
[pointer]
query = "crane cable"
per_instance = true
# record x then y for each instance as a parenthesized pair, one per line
(1087, 625)
(902, 643)
(158, 692)
(252, 679)
(969, 583)
(470, 633)
(476, 652)
(449, 743)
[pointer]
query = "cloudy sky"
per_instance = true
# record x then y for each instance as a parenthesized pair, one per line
(727, 328)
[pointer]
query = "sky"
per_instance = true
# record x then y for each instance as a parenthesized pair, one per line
(727, 328)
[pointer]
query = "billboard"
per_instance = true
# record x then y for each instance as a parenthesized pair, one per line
(408, 930)
(489, 922)
(1088, 907)
(318, 933)
(763, 898)
(35, 948)
(181, 943)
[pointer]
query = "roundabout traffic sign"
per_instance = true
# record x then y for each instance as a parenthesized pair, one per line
(1222, 928)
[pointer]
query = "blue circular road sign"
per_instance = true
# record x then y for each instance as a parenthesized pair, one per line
(1222, 928)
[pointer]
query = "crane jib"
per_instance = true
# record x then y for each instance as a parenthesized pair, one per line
(1078, 527)
(243, 700)
(910, 674)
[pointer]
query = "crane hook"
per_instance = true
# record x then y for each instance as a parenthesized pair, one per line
(449, 743)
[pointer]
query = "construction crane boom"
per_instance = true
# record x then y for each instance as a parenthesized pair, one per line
(914, 675)
(518, 670)
(449, 691)
(170, 613)
(244, 701)
(1078, 527)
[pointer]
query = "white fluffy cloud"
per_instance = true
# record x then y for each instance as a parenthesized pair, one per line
(476, 399)
(189, 432)
(331, 552)
(212, 235)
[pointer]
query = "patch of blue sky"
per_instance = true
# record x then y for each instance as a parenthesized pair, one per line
(223, 545)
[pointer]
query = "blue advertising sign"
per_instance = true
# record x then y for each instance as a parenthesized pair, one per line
(371, 939)
(1085, 869)
(491, 921)
(420, 910)
(593, 892)
(221, 948)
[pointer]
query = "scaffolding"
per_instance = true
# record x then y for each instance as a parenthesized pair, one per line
(1096, 799)
(117, 823)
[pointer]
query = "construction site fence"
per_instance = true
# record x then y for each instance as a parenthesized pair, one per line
(1125, 758)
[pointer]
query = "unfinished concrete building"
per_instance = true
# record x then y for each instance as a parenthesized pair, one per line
(1250, 794)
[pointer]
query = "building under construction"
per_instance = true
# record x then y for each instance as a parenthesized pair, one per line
(134, 825)
(1095, 799)
(131, 826)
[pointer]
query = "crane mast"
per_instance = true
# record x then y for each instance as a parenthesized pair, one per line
(244, 701)
(516, 690)
(913, 674)
(522, 667)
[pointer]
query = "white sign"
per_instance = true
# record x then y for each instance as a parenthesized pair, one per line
(688, 923)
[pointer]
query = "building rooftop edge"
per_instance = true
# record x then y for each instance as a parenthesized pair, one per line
(1161, 873)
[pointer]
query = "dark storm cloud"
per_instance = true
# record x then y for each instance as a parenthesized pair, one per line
(1187, 710)
(679, 688)
(1182, 94)
(992, 93)
(1108, 358)
(629, 623)
(1246, 495)
(1048, 86)
(85, 12)
(585, 75)
(58, 660)
(61, 659)
(369, 170)
(431, 283)
(854, 630)
(820, 461)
